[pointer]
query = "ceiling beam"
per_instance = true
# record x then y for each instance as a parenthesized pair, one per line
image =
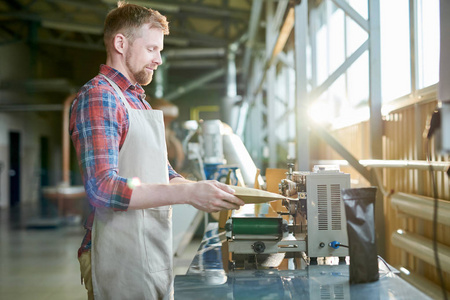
(14, 4)
(30, 107)
(195, 52)
(20, 15)
(191, 37)
(194, 84)
(39, 85)
(101, 9)
(195, 63)
(71, 26)
(71, 44)
(197, 38)
(173, 8)
(197, 10)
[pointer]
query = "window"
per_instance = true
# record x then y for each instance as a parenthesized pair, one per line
(336, 36)
(395, 49)
(427, 42)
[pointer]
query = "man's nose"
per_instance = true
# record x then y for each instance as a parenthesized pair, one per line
(158, 60)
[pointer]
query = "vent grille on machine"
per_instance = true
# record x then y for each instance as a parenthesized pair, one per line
(339, 292)
(325, 291)
(335, 206)
(322, 207)
(328, 291)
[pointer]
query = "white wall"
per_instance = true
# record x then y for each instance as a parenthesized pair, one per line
(15, 65)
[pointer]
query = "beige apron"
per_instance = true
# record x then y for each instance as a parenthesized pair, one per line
(132, 250)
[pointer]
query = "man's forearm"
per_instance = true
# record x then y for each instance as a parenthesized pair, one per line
(155, 195)
(178, 180)
(209, 196)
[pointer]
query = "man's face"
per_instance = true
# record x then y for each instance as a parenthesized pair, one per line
(143, 56)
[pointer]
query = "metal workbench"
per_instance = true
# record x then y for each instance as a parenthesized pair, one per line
(207, 279)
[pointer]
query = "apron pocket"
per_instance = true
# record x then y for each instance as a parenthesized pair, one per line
(158, 238)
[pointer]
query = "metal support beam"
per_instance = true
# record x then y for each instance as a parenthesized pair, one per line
(376, 130)
(30, 107)
(333, 143)
(195, 52)
(279, 15)
(195, 63)
(194, 84)
(269, 79)
(72, 44)
(301, 92)
(230, 110)
(279, 44)
(198, 9)
(100, 9)
(71, 26)
(256, 133)
(253, 26)
(252, 30)
(349, 11)
(376, 122)
(339, 71)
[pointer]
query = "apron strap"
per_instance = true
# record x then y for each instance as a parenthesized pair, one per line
(119, 92)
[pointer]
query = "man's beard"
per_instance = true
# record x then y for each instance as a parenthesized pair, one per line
(142, 76)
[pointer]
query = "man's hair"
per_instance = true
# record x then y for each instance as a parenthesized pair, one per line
(127, 18)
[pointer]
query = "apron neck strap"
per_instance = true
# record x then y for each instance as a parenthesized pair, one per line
(118, 91)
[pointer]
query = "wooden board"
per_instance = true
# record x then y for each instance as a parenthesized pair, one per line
(250, 195)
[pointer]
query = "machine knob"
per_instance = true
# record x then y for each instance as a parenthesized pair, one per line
(322, 244)
(259, 247)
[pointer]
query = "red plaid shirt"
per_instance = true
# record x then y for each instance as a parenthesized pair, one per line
(98, 127)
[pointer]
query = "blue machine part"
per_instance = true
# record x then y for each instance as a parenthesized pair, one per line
(210, 170)
(220, 173)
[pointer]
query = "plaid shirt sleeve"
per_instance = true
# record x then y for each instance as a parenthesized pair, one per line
(97, 124)
(172, 172)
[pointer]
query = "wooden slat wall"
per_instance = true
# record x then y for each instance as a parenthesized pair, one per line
(402, 140)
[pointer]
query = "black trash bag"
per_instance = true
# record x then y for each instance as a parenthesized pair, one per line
(360, 212)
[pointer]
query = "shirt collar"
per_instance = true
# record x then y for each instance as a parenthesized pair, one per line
(118, 78)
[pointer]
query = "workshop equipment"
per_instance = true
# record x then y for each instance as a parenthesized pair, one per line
(314, 225)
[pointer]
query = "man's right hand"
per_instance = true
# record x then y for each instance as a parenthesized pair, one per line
(212, 196)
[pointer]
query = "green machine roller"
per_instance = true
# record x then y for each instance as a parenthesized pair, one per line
(256, 228)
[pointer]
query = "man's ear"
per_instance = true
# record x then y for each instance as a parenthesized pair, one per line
(120, 43)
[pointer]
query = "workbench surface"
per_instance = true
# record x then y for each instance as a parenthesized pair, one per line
(206, 279)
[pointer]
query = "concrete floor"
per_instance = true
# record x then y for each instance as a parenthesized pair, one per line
(41, 263)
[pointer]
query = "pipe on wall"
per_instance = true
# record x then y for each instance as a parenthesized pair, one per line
(66, 140)
(421, 248)
(423, 165)
(421, 207)
(236, 154)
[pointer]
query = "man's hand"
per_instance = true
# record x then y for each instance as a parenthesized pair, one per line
(212, 196)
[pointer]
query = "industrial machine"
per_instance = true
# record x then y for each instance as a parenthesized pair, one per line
(314, 225)
(217, 150)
